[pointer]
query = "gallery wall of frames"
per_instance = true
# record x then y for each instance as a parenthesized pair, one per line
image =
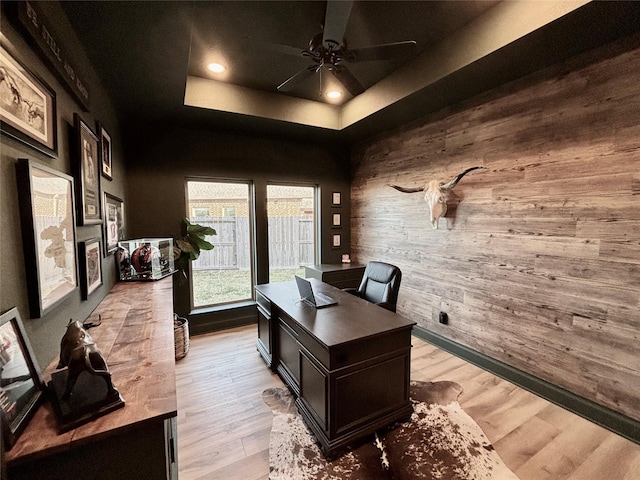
(62, 193)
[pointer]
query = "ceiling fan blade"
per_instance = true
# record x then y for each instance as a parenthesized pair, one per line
(266, 46)
(382, 52)
(295, 79)
(335, 22)
(351, 83)
(284, 49)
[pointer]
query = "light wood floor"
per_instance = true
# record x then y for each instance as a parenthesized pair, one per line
(224, 426)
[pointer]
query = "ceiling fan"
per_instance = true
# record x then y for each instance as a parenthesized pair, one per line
(328, 50)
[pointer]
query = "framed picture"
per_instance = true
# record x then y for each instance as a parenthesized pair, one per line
(48, 234)
(21, 390)
(90, 255)
(336, 220)
(336, 240)
(105, 152)
(27, 107)
(336, 199)
(113, 222)
(87, 173)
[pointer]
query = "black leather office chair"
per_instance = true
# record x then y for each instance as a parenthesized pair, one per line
(380, 285)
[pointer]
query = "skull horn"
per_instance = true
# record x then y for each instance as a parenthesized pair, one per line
(407, 190)
(454, 182)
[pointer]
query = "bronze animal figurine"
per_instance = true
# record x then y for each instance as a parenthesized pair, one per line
(78, 352)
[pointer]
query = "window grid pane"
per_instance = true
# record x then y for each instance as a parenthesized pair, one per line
(222, 275)
(291, 217)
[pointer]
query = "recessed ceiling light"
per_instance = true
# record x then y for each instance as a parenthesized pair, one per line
(334, 94)
(216, 67)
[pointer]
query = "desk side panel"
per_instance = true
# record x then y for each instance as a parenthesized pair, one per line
(366, 394)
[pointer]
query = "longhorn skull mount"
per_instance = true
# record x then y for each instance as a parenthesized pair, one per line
(436, 195)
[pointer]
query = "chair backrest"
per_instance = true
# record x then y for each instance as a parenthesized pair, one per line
(380, 284)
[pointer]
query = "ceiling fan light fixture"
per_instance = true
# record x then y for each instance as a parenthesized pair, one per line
(334, 94)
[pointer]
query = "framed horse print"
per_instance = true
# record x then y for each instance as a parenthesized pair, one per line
(27, 106)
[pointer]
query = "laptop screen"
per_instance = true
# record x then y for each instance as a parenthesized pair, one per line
(305, 290)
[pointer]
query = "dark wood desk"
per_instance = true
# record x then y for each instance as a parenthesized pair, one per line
(348, 365)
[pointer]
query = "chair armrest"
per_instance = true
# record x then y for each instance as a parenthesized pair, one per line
(352, 291)
(387, 305)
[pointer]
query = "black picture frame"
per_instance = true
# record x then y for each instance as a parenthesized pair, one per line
(47, 216)
(336, 199)
(113, 222)
(21, 387)
(27, 106)
(87, 172)
(336, 220)
(90, 255)
(106, 152)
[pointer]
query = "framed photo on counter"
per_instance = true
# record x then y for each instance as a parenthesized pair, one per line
(22, 388)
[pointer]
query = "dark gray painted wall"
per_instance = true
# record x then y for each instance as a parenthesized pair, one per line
(152, 183)
(166, 156)
(45, 333)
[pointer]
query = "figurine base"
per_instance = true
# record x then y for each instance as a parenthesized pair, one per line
(89, 399)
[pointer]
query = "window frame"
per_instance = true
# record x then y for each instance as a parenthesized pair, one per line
(316, 215)
(251, 214)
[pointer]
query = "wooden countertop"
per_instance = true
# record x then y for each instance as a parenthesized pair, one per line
(136, 337)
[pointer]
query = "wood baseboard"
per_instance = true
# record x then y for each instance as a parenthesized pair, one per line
(603, 416)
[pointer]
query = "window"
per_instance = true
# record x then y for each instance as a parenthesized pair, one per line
(200, 212)
(292, 230)
(224, 274)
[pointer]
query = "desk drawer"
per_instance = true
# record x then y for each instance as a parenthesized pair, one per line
(263, 303)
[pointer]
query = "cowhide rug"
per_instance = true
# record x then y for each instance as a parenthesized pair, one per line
(439, 442)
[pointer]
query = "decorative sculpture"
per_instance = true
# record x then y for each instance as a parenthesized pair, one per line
(436, 195)
(81, 389)
(78, 352)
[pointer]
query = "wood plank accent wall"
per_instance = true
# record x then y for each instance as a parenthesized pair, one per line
(538, 261)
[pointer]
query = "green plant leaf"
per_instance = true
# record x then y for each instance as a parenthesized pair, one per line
(199, 243)
(184, 245)
(192, 242)
(199, 230)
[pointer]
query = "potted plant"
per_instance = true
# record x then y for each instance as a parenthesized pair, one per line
(186, 249)
(193, 241)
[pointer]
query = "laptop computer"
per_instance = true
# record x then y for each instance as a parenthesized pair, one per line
(318, 300)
